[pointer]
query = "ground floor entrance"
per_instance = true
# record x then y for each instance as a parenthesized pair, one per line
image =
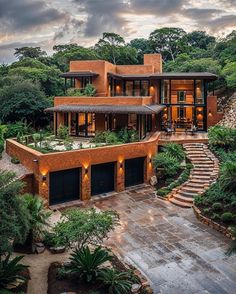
(102, 178)
(134, 171)
(64, 186)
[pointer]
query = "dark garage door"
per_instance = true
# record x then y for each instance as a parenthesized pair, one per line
(102, 178)
(64, 186)
(134, 171)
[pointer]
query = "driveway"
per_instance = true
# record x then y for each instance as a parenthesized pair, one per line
(169, 245)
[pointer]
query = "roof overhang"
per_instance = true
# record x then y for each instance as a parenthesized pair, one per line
(167, 76)
(139, 109)
(78, 74)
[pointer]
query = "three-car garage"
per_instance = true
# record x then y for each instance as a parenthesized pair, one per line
(66, 185)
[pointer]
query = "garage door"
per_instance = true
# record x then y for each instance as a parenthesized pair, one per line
(102, 178)
(64, 186)
(134, 171)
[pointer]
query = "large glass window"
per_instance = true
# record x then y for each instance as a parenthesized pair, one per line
(129, 88)
(199, 92)
(182, 92)
(91, 124)
(165, 95)
(137, 89)
(144, 88)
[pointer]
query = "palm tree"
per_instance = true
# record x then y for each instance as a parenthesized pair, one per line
(39, 218)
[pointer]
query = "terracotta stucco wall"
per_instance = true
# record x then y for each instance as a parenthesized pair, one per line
(213, 117)
(134, 69)
(103, 100)
(155, 60)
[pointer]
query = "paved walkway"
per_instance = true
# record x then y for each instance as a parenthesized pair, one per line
(177, 253)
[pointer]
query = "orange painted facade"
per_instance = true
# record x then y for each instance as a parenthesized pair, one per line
(133, 86)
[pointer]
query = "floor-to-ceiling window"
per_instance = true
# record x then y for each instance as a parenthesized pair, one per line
(82, 124)
(185, 104)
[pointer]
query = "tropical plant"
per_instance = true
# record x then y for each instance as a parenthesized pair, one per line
(14, 216)
(39, 217)
(80, 227)
(175, 150)
(63, 132)
(220, 136)
(89, 90)
(11, 271)
(87, 264)
(169, 165)
(228, 176)
(116, 281)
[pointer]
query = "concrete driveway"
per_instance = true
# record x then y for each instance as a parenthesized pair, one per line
(170, 246)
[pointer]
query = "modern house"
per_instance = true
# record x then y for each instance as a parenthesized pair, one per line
(137, 97)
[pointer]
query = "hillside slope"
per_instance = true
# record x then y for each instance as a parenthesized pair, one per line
(229, 118)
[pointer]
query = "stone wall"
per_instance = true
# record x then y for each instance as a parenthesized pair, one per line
(229, 117)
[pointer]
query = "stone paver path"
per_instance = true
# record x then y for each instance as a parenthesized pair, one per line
(176, 252)
(167, 243)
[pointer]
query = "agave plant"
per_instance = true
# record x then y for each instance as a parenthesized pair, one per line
(11, 271)
(87, 264)
(117, 282)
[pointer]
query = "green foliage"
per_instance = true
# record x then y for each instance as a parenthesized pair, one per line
(89, 90)
(74, 92)
(86, 264)
(222, 137)
(232, 248)
(63, 132)
(169, 165)
(228, 176)
(25, 101)
(121, 137)
(39, 215)
(229, 73)
(13, 129)
(14, 216)
(227, 217)
(116, 281)
(15, 160)
(175, 150)
(11, 271)
(217, 206)
(80, 227)
(32, 52)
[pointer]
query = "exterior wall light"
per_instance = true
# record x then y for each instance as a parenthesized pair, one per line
(86, 170)
(121, 165)
(44, 178)
(210, 113)
(150, 160)
(35, 160)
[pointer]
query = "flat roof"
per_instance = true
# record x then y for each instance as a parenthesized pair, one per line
(137, 109)
(167, 75)
(76, 74)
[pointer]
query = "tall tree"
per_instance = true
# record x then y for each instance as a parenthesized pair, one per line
(32, 52)
(200, 39)
(22, 100)
(169, 42)
(112, 48)
(142, 46)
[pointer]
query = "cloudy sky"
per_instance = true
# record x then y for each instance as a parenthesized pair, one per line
(47, 22)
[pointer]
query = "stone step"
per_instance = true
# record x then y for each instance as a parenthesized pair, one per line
(187, 194)
(182, 198)
(199, 181)
(192, 189)
(181, 203)
(195, 185)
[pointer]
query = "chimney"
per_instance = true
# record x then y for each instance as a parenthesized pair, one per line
(155, 60)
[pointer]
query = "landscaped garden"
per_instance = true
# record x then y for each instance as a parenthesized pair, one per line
(219, 201)
(26, 228)
(172, 168)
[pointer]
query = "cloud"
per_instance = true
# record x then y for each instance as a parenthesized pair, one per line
(23, 15)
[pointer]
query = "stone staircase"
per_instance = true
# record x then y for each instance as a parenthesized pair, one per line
(204, 173)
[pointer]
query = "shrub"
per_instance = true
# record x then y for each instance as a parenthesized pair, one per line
(117, 282)
(163, 192)
(99, 137)
(216, 216)
(228, 176)
(87, 264)
(80, 227)
(217, 206)
(206, 210)
(63, 132)
(227, 217)
(1, 146)
(89, 90)
(169, 164)
(223, 137)
(14, 129)
(11, 271)
(74, 92)
(15, 160)
(111, 138)
(175, 150)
